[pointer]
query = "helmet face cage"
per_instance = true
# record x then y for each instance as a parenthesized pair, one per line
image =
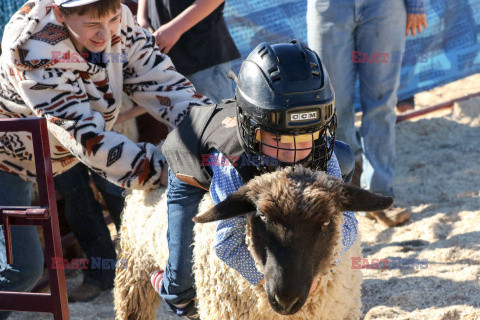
(320, 151)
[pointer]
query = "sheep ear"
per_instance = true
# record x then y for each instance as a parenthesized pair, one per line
(357, 199)
(235, 205)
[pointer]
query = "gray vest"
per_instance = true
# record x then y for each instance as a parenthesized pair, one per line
(203, 130)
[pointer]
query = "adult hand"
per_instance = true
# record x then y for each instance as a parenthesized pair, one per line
(142, 15)
(414, 22)
(166, 36)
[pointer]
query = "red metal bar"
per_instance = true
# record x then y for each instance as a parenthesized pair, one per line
(31, 213)
(45, 215)
(423, 111)
(7, 213)
(437, 107)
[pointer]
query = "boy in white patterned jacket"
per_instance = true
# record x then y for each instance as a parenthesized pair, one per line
(72, 62)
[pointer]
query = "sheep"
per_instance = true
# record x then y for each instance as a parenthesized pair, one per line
(293, 231)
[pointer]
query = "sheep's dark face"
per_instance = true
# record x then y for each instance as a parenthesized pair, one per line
(292, 254)
(294, 221)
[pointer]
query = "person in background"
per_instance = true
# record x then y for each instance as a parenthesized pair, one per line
(195, 36)
(85, 218)
(367, 39)
(82, 211)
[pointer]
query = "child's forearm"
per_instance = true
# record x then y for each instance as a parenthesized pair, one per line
(142, 15)
(195, 13)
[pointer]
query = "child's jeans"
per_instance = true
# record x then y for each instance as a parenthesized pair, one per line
(183, 200)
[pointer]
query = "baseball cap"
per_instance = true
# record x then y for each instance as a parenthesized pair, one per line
(73, 3)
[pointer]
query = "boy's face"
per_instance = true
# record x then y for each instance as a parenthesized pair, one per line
(88, 33)
(289, 155)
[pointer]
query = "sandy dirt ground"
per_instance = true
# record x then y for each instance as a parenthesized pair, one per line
(438, 179)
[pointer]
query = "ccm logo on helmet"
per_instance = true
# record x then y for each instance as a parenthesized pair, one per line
(304, 116)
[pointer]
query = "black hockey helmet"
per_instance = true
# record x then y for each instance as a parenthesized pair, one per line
(284, 89)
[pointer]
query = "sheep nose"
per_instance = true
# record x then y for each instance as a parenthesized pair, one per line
(286, 303)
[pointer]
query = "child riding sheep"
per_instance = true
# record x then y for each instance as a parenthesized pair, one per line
(283, 115)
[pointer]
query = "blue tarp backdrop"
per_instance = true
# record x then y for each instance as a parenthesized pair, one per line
(448, 50)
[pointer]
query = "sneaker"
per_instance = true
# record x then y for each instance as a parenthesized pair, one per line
(84, 292)
(390, 217)
(186, 310)
(156, 280)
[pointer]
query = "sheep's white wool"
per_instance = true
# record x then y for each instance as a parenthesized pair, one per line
(221, 292)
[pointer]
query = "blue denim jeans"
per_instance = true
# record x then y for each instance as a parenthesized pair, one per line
(27, 267)
(183, 200)
(84, 216)
(364, 38)
(213, 82)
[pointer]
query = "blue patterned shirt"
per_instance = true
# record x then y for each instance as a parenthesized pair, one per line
(8, 8)
(230, 244)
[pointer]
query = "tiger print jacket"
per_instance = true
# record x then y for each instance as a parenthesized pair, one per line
(42, 75)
